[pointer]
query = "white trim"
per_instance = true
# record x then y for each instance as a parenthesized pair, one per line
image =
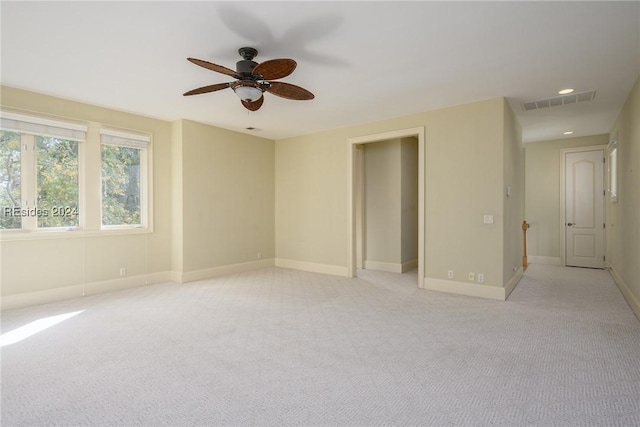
(463, 288)
(77, 291)
(612, 174)
(125, 135)
(632, 300)
(208, 273)
(334, 270)
(69, 233)
(141, 143)
(34, 125)
(513, 282)
(351, 180)
(409, 265)
(546, 260)
(124, 139)
(391, 267)
(42, 121)
(563, 234)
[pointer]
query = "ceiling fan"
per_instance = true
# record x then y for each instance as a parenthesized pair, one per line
(254, 79)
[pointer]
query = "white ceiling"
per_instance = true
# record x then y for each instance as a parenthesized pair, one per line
(364, 61)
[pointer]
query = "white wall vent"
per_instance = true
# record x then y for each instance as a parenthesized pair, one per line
(556, 101)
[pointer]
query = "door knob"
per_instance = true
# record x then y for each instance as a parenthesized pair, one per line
(570, 224)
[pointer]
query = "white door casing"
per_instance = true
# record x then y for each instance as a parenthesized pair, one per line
(418, 132)
(584, 208)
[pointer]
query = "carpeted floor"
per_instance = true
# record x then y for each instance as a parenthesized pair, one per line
(283, 347)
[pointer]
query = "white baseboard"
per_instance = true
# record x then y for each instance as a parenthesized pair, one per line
(334, 270)
(409, 265)
(93, 288)
(77, 291)
(207, 273)
(462, 288)
(547, 260)
(513, 282)
(633, 300)
(391, 267)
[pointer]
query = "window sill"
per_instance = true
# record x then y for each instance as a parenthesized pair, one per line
(14, 235)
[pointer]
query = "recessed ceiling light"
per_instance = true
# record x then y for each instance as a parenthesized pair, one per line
(569, 132)
(565, 91)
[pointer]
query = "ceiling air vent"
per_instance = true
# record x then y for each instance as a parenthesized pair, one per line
(556, 101)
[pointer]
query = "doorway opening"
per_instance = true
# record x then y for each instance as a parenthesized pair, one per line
(356, 247)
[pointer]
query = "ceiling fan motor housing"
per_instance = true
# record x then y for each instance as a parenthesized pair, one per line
(245, 67)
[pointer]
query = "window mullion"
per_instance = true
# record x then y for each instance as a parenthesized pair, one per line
(29, 182)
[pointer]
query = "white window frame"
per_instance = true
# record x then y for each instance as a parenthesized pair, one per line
(30, 127)
(143, 142)
(89, 182)
(613, 170)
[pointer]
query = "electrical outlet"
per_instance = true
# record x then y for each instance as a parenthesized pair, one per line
(480, 277)
(123, 271)
(259, 255)
(472, 277)
(450, 274)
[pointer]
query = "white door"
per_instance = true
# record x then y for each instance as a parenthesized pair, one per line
(584, 210)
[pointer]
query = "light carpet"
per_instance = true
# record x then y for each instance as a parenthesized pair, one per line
(283, 347)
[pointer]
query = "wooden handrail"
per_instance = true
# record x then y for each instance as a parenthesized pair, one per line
(525, 226)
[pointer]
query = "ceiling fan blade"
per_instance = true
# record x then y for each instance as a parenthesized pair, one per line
(253, 106)
(214, 67)
(207, 89)
(274, 69)
(289, 91)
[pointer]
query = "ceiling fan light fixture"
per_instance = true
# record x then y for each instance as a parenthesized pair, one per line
(253, 79)
(248, 93)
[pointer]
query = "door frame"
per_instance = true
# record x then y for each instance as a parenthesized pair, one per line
(563, 219)
(352, 191)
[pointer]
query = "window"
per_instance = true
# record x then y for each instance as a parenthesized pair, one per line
(54, 178)
(613, 170)
(39, 173)
(124, 179)
(57, 178)
(10, 172)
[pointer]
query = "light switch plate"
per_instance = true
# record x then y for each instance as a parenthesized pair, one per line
(488, 219)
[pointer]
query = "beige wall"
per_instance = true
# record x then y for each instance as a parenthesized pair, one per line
(542, 194)
(623, 217)
(213, 199)
(383, 221)
(464, 180)
(464, 168)
(227, 197)
(311, 198)
(220, 198)
(513, 210)
(409, 202)
(66, 260)
(391, 199)
(177, 197)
